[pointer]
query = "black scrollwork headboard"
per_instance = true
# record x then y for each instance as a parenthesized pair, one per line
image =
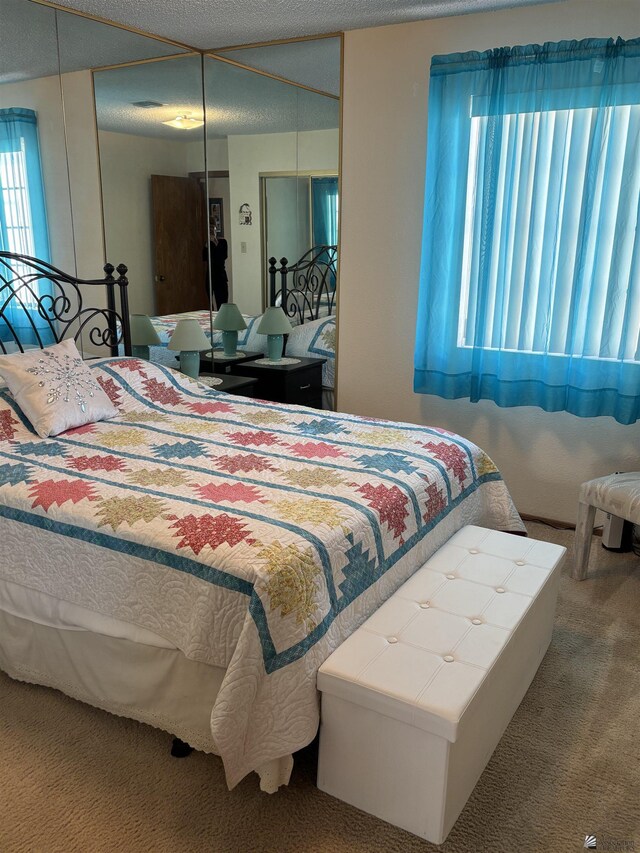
(307, 289)
(40, 305)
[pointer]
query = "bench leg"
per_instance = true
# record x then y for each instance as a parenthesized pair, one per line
(584, 532)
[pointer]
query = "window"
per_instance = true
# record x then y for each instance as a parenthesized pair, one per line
(530, 282)
(538, 206)
(15, 202)
(23, 226)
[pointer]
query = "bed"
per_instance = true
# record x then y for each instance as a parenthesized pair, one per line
(191, 562)
(306, 291)
(40, 305)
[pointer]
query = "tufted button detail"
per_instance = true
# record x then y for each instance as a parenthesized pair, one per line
(451, 577)
(499, 589)
(473, 551)
(449, 658)
(476, 621)
(425, 604)
(392, 639)
(520, 563)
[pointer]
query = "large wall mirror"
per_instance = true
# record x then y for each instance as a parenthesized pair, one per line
(150, 119)
(51, 191)
(199, 223)
(269, 186)
(48, 132)
(36, 209)
(272, 156)
(193, 169)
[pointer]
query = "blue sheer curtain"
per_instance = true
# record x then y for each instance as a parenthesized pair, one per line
(23, 222)
(324, 194)
(530, 280)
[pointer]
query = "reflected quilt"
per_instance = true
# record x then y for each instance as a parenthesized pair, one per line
(253, 536)
(315, 339)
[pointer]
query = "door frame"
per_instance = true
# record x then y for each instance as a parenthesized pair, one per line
(302, 173)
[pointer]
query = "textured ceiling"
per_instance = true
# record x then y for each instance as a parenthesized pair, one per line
(220, 23)
(238, 101)
(312, 63)
(28, 42)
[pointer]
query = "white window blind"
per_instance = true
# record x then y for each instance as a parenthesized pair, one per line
(554, 278)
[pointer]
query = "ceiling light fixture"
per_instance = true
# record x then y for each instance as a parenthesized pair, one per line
(184, 122)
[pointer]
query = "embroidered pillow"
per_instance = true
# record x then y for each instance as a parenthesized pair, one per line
(55, 389)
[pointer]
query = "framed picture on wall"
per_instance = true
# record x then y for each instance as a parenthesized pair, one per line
(216, 217)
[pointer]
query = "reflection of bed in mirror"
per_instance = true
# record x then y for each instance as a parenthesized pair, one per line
(270, 144)
(306, 291)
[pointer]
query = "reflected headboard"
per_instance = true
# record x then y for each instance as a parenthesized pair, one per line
(307, 289)
(41, 305)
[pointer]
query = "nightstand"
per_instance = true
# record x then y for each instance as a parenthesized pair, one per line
(245, 386)
(299, 383)
(223, 363)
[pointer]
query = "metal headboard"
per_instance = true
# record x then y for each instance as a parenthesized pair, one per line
(62, 310)
(307, 288)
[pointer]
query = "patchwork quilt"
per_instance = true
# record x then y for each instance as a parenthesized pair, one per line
(257, 536)
(316, 339)
(165, 326)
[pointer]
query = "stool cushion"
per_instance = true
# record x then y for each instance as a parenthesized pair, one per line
(618, 494)
(423, 655)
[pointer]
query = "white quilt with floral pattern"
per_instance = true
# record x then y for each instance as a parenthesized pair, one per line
(253, 536)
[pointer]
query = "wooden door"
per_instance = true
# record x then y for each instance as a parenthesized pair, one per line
(179, 242)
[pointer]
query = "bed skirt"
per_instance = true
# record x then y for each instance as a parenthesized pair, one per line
(157, 686)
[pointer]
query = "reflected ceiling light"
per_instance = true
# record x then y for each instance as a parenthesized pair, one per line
(184, 122)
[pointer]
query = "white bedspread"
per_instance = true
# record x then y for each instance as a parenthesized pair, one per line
(250, 536)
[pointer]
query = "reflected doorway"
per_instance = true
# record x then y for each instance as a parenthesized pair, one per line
(300, 214)
(179, 238)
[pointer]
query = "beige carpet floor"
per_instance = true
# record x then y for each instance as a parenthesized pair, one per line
(76, 779)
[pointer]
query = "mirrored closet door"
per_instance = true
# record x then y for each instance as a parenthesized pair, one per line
(273, 117)
(151, 139)
(147, 153)
(35, 202)
(90, 161)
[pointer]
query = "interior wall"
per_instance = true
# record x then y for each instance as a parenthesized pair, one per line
(250, 156)
(127, 162)
(84, 175)
(543, 456)
(217, 155)
(288, 218)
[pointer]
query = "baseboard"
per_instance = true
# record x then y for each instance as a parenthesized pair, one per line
(555, 523)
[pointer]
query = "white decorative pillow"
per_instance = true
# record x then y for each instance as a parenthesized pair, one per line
(55, 389)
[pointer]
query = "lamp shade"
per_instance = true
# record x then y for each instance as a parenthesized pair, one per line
(189, 337)
(274, 322)
(229, 318)
(142, 332)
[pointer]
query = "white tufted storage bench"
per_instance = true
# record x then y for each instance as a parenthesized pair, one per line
(415, 701)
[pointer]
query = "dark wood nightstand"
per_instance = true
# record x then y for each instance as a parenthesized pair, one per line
(245, 386)
(299, 383)
(224, 364)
